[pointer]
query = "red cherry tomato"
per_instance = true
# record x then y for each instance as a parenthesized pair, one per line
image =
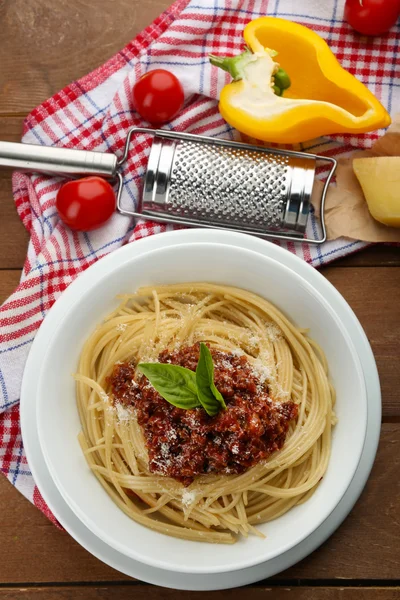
(158, 96)
(372, 17)
(85, 204)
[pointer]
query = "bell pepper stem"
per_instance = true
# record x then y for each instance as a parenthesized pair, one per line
(234, 65)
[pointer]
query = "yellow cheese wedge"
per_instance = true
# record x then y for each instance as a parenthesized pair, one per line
(380, 181)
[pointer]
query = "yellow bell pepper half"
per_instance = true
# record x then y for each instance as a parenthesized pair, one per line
(323, 98)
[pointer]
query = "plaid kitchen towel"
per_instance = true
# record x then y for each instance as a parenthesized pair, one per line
(95, 113)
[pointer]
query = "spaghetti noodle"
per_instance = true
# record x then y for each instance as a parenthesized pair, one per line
(215, 507)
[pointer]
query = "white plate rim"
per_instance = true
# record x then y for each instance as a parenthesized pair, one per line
(250, 574)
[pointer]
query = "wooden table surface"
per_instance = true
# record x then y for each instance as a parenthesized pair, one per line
(43, 46)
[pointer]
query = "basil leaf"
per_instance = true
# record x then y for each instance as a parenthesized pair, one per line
(210, 398)
(175, 384)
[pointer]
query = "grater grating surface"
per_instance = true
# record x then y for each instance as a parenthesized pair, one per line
(228, 185)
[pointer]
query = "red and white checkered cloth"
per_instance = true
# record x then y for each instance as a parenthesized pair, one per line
(95, 113)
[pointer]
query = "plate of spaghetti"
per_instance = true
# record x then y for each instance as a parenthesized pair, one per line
(201, 408)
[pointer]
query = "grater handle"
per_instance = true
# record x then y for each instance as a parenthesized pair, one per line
(57, 161)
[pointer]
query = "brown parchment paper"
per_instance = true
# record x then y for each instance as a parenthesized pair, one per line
(346, 210)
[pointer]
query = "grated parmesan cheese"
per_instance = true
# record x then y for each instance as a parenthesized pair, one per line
(261, 371)
(237, 352)
(273, 332)
(121, 326)
(123, 413)
(165, 450)
(254, 340)
(188, 498)
(226, 364)
(280, 393)
(171, 435)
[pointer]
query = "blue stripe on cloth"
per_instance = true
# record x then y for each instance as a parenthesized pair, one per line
(47, 220)
(228, 10)
(133, 178)
(16, 469)
(340, 249)
(393, 76)
(105, 139)
(38, 218)
(306, 17)
(8, 405)
(42, 292)
(202, 70)
(89, 98)
(16, 348)
(228, 129)
(12, 471)
(276, 8)
(43, 218)
(315, 233)
(129, 61)
(147, 58)
(319, 145)
(201, 63)
(332, 21)
(3, 388)
(85, 122)
(188, 63)
(89, 244)
(37, 136)
(69, 260)
(130, 192)
(112, 116)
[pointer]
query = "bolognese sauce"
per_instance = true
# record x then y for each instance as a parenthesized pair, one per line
(185, 443)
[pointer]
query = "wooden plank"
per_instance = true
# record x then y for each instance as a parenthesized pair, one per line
(11, 129)
(147, 592)
(13, 235)
(374, 295)
(45, 45)
(8, 282)
(378, 255)
(365, 547)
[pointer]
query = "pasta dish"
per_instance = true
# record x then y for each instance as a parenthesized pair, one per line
(205, 412)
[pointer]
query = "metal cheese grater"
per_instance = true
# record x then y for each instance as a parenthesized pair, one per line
(200, 181)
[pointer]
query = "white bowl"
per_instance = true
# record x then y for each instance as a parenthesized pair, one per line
(58, 422)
